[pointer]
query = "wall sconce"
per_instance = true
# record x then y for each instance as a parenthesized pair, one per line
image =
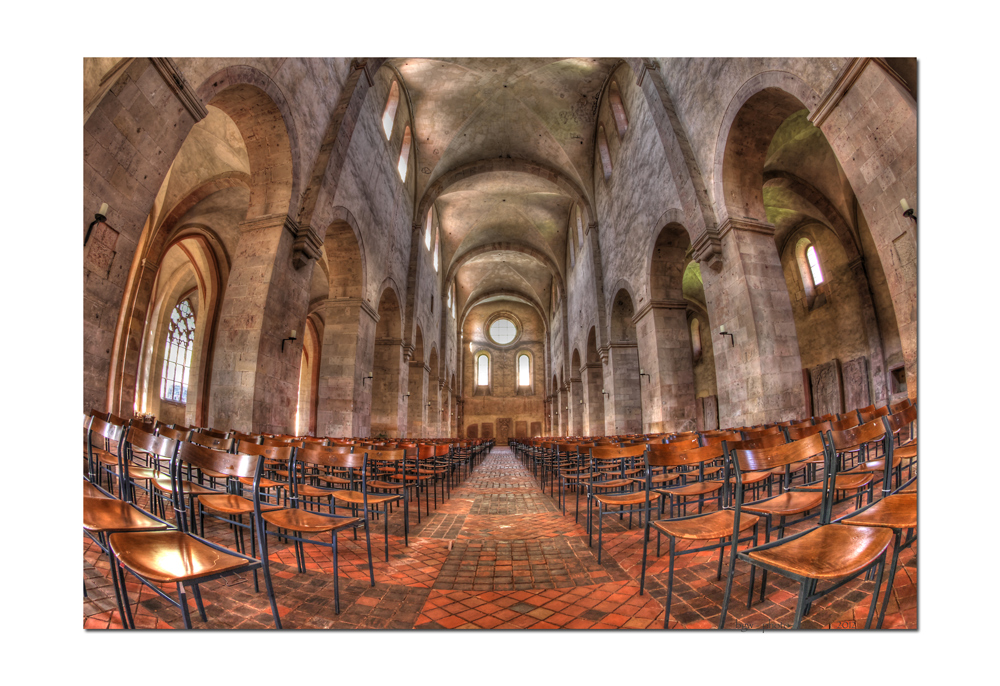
(604, 392)
(101, 216)
(581, 401)
(723, 332)
(642, 373)
(406, 395)
(290, 338)
(367, 378)
(907, 210)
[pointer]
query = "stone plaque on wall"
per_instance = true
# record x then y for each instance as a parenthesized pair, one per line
(503, 430)
(857, 393)
(536, 428)
(487, 430)
(520, 429)
(710, 411)
(472, 431)
(827, 388)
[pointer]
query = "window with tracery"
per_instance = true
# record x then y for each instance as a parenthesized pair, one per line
(177, 355)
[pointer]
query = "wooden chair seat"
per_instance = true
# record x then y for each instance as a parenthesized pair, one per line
(754, 477)
(308, 522)
(846, 482)
(697, 488)
(104, 457)
(710, 526)
(313, 491)
(92, 491)
(797, 467)
(660, 478)
(162, 483)
(788, 503)
(230, 504)
(912, 488)
(336, 480)
(828, 552)
(386, 485)
(358, 498)
(144, 473)
(264, 483)
(897, 511)
(613, 483)
(107, 514)
(877, 465)
(905, 452)
(216, 475)
(636, 498)
(171, 556)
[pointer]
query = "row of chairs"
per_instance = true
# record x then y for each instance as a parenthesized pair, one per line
(855, 452)
(280, 484)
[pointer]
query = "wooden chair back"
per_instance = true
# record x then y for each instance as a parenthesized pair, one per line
(717, 437)
(749, 434)
(760, 459)
(766, 441)
(797, 434)
(159, 445)
(896, 421)
(900, 406)
(856, 436)
(849, 421)
(660, 455)
(105, 429)
(175, 434)
(213, 442)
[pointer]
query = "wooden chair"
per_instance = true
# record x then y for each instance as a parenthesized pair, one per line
(180, 557)
(695, 485)
(828, 552)
(392, 476)
(700, 527)
(853, 440)
(611, 484)
(906, 452)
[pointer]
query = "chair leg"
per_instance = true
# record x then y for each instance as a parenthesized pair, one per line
(386, 523)
(888, 586)
(670, 586)
(729, 581)
(368, 542)
(196, 590)
(182, 597)
(600, 530)
(645, 547)
(800, 607)
(722, 549)
(336, 578)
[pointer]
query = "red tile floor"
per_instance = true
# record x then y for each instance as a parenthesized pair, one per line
(498, 554)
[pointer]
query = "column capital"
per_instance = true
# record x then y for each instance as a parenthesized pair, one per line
(658, 305)
(307, 246)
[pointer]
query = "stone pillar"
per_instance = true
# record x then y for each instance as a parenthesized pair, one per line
(388, 414)
(130, 139)
(344, 401)
(416, 408)
(664, 340)
(576, 409)
(880, 390)
(623, 365)
(563, 412)
(760, 375)
(870, 120)
(593, 383)
(254, 381)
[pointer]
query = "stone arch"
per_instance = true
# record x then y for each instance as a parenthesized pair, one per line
(521, 248)
(670, 216)
(434, 191)
(263, 115)
(510, 295)
(624, 363)
(308, 397)
(751, 120)
(576, 402)
(620, 323)
(390, 326)
(433, 424)
(346, 260)
(812, 195)
(666, 263)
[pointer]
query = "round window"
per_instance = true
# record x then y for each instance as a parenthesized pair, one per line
(503, 331)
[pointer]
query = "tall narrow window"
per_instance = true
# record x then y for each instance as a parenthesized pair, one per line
(437, 249)
(572, 254)
(404, 154)
(618, 110)
(602, 147)
(177, 355)
(696, 339)
(523, 371)
(814, 268)
(389, 115)
(579, 226)
(427, 231)
(483, 371)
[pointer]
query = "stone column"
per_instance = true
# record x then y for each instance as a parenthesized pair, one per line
(388, 414)
(576, 409)
(563, 412)
(593, 383)
(664, 341)
(760, 375)
(870, 120)
(880, 390)
(623, 365)
(344, 401)
(254, 381)
(416, 408)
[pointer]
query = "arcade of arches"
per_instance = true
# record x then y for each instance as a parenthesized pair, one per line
(345, 233)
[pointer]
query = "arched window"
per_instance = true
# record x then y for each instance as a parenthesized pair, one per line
(813, 259)
(579, 226)
(177, 355)
(404, 154)
(483, 370)
(618, 110)
(602, 147)
(453, 300)
(427, 231)
(523, 370)
(389, 114)
(437, 249)
(696, 338)
(572, 253)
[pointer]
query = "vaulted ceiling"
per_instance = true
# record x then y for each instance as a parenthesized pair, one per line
(505, 150)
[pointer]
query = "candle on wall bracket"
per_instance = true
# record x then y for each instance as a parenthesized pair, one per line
(290, 338)
(100, 217)
(723, 332)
